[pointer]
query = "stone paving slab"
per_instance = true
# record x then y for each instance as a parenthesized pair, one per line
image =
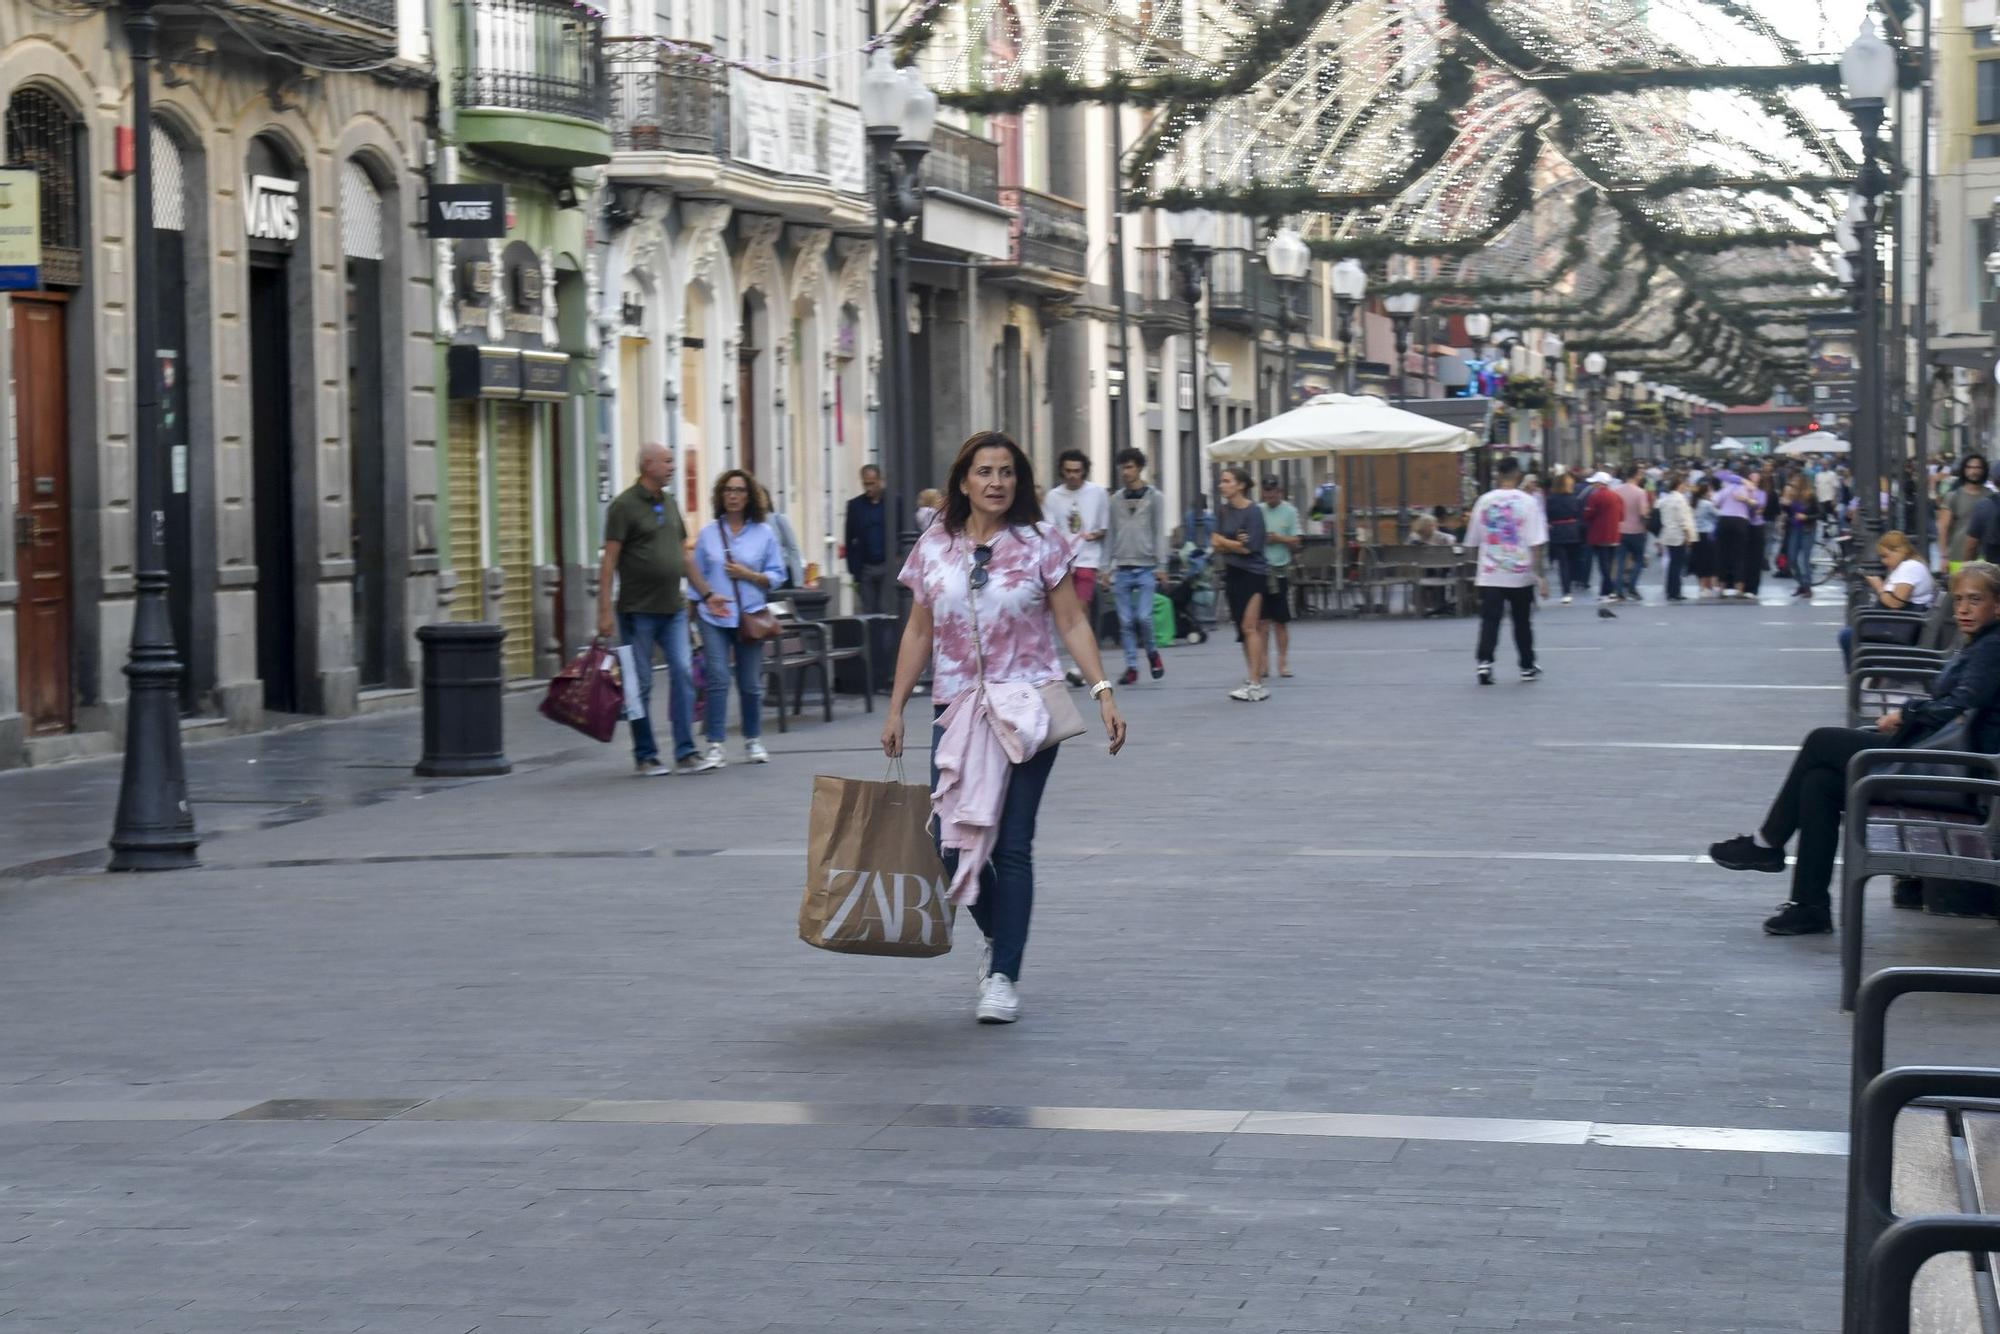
(1185, 956)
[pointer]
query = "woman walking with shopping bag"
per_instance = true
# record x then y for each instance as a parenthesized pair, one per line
(991, 589)
(740, 557)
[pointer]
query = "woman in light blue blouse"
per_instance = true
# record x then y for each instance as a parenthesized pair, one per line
(739, 557)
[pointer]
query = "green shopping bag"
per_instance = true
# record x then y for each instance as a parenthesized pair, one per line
(1163, 619)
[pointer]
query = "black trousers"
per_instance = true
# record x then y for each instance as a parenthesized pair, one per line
(1811, 804)
(1493, 604)
(1732, 549)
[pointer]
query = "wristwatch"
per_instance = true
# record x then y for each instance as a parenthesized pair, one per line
(1100, 688)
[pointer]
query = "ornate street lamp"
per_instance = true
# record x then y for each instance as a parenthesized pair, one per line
(1868, 81)
(154, 827)
(1350, 287)
(1552, 350)
(1594, 366)
(1194, 244)
(1402, 308)
(1288, 261)
(900, 113)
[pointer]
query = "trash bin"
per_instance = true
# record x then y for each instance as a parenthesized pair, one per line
(463, 688)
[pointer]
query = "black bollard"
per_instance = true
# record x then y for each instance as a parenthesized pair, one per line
(463, 688)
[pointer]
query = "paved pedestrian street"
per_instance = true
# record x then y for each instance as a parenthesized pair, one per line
(1392, 1003)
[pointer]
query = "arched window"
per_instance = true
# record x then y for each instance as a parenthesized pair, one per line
(169, 183)
(361, 244)
(43, 137)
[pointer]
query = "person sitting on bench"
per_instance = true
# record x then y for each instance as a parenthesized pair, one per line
(1814, 796)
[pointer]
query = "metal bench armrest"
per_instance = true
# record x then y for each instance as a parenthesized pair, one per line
(1903, 1249)
(1885, 988)
(1861, 765)
(1872, 1142)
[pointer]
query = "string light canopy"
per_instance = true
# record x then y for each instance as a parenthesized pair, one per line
(1658, 179)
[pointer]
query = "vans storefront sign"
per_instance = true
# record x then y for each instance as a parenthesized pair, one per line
(271, 210)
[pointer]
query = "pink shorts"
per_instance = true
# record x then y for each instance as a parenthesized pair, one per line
(1086, 584)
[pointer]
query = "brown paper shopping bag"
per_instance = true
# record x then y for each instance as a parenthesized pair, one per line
(874, 884)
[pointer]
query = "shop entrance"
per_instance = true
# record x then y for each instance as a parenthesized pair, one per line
(271, 480)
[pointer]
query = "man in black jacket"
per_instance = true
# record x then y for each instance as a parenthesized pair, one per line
(1814, 797)
(869, 544)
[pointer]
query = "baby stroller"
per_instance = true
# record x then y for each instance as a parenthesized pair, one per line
(1191, 591)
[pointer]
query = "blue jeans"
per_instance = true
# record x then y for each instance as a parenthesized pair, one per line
(1134, 590)
(1799, 553)
(1631, 560)
(1007, 885)
(642, 630)
(717, 643)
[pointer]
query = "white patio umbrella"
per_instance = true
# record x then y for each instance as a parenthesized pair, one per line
(1818, 442)
(1340, 424)
(1729, 444)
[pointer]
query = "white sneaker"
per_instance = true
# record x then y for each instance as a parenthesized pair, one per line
(754, 752)
(1247, 692)
(712, 758)
(1566, 599)
(1260, 693)
(999, 1003)
(985, 966)
(652, 769)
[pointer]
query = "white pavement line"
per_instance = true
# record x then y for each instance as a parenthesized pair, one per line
(1656, 745)
(1486, 855)
(1724, 685)
(1111, 1120)
(1824, 648)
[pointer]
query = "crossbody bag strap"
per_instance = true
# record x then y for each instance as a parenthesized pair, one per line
(722, 530)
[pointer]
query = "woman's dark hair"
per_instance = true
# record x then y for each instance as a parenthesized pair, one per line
(1024, 512)
(1133, 456)
(753, 504)
(1242, 476)
(1703, 489)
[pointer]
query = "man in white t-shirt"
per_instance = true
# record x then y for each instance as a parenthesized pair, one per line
(1510, 536)
(1082, 509)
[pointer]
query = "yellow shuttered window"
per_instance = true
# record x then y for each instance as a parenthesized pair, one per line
(514, 530)
(466, 502)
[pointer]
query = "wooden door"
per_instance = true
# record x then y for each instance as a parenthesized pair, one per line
(41, 515)
(746, 410)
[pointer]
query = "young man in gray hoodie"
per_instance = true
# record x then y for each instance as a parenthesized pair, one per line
(1138, 555)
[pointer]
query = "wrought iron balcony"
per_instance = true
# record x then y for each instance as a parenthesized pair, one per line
(1241, 292)
(964, 164)
(1049, 234)
(666, 101)
(379, 14)
(1159, 296)
(541, 56)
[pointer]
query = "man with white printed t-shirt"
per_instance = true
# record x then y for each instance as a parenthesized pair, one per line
(1509, 535)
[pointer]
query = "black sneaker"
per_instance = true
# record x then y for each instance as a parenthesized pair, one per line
(1744, 853)
(1531, 673)
(1796, 919)
(1153, 661)
(1074, 677)
(1486, 673)
(1131, 677)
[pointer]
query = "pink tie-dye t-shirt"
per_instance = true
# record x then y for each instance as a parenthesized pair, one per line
(1015, 628)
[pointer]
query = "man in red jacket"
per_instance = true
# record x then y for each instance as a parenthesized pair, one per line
(1603, 515)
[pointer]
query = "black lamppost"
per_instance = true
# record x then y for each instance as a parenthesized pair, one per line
(1593, 389)
(154, 828)
(1194, 244)
(1288, 261)
(900, 112)
(1868, 81)
(1402, 308)
(1350, 286)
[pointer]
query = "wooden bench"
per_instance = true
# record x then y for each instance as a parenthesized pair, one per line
(1923, 1175)
(1923, 826)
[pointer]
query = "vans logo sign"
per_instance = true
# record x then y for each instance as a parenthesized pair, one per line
(271, 209)
(468, 212)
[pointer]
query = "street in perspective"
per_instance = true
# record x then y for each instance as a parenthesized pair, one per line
(1023, 666)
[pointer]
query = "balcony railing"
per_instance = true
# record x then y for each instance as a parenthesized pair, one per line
(665, 101)
(1159, 295)
(1048, 232)
(964, 164)
(372, 13)
(532, 55)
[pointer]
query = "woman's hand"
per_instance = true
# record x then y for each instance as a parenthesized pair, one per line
(892, 736)
(1874, 581)
(1114, 723)
(736, 570)
(1889, 722)
(717, 604)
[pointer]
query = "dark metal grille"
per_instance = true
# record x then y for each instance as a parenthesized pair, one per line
(374, 13)
(1049, 233)
(665, 100)
(964, 163)
(532, 55)
(42, 137)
